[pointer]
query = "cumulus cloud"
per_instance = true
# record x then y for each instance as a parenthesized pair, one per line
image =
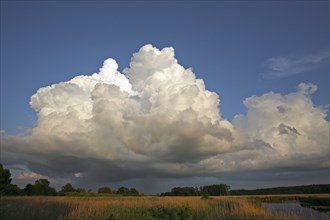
(284, 66)
(293, 130)
(157, 120)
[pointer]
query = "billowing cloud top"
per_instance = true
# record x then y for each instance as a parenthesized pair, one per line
(160, 110)
(157, 119)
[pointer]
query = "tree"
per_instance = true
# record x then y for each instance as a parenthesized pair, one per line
(6, 188)
(81, 190)
(68, 188)
(184, 191)
(104, 189)
(13, 189)
(41, 187)
(28, 190)
(216, 190)
(133, 192)
(225, 190)
(123, 191)
(210, 190)
(4, 179)
(128, 192)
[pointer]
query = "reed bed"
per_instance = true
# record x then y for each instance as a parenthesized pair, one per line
(133, 208)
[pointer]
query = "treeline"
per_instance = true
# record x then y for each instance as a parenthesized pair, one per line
(209, 190)
(223, 190)
(42, 187)
(305, 189)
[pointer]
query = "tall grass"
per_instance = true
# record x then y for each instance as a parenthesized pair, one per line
(131, 208)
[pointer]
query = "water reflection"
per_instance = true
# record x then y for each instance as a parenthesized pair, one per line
(294, 210)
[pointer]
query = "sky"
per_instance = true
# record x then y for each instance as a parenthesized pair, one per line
(154, 95)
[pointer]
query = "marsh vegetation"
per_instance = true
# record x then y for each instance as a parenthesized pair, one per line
(142, 207)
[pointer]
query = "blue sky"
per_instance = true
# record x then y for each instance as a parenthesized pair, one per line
(226, 44)
(240, 49)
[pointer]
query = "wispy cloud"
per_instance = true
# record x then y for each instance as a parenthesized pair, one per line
(284, 66)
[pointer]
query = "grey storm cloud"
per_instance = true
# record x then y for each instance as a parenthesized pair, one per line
(157, 120)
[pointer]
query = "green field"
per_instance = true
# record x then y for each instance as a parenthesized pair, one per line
(141, 207)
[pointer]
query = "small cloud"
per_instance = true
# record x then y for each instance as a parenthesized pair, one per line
(307, 88)
(77, 175)
(2, 131)
(285, 66)
(30, 176)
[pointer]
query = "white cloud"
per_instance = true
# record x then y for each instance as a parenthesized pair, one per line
(30, 176)
(290, 130)
(159, 120)
(280, 67)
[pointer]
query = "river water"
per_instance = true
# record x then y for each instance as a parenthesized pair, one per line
(293, 210)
